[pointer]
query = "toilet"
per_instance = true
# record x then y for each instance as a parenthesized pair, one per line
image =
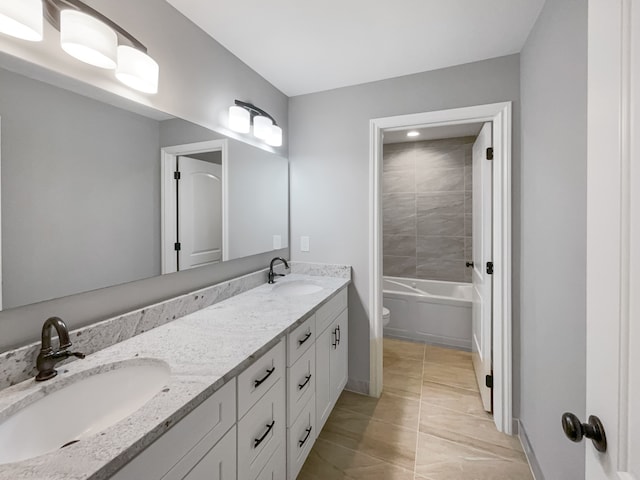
(386, 316)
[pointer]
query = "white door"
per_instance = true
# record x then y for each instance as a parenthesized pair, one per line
(199, 213)
(613, 240)
(482, 255)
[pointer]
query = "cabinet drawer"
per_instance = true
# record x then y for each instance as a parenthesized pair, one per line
(300, 438)
(256, 380)
(219, 463)
(261, 431)
(194, 434)
(330, 310)
(301, 383)
(300, 340)
(276, 468)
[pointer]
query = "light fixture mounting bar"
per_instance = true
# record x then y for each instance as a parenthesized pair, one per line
(255, 110)
(52, 14)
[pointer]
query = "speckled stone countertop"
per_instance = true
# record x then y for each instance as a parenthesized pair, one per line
(204, 350)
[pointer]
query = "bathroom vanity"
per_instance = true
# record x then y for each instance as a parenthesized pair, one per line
(251, 381)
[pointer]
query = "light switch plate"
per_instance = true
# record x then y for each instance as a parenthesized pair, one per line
(304, 244)
(277, 242)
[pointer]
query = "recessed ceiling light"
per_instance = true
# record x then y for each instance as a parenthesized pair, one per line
(413, 133)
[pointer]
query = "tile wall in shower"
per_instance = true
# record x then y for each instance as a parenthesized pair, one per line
(427, 209)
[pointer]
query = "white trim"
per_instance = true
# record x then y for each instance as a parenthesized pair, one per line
(1, 284)
(501, 116)
(168, 214)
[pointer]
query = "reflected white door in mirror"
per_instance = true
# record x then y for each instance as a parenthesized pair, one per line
(194, 205)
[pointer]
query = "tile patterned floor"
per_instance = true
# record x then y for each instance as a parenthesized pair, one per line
(427, 425)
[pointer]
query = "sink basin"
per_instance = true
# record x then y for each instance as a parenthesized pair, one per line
(80, 409)
(296, 288)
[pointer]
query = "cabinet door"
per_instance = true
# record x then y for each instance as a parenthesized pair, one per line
(219, 463)
(339, 358)
(324, 346)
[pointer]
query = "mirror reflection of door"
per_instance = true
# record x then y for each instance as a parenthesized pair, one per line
(199, 207)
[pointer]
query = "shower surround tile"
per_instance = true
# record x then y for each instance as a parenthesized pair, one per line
(399, 245)
(399, 181)
(399, 266)
(426, 209)
(399, 214)
(440, 248)
(439, 180)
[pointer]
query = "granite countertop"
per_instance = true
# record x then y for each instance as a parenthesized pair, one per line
(204, 350)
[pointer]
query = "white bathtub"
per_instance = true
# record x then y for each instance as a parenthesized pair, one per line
(429, 311)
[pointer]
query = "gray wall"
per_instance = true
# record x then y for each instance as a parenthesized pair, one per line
(63, 158)
(199, 80)
(426, 209)
(329, 156)
(553, 213)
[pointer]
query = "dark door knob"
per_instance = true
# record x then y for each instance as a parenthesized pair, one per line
(575, 430)
(469, 264)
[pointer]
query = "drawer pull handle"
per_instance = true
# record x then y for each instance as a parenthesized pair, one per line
(306, 337)
(257, 383)
(258, 441)
(302, 385)
(306, 437)
(338, 334)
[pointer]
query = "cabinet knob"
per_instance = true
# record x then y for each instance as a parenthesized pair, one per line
(469, 264)
(575, 430)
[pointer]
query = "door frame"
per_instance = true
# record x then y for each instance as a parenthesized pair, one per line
(613, 186)
(500, 114)
(168, 212)
(1, 284)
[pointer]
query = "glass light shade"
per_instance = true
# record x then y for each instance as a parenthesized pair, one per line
(88, 39)
(262, 127)
(22, 19)
(137, 70)
(239, 119)
(275, 137)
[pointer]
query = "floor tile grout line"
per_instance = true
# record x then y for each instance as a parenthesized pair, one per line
(373, 419)
(359, 452)
(415, 460)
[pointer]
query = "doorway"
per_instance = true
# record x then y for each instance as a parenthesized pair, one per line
(194, 205)
(498, 133)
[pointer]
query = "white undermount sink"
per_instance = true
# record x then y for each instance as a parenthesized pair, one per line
(296, 288)
(80, 409)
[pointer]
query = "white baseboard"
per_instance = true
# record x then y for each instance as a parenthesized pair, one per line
(528, 451)
(358, 386)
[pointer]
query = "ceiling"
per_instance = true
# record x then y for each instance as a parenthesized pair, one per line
(304, 47)
(433, 133)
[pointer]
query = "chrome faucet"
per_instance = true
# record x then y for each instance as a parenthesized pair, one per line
(272, 275)
(47, 358)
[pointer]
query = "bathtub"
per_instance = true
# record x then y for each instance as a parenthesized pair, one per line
(429, 311)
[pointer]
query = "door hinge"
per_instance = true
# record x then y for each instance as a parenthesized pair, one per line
(176, 175)
(488, 381)
(177, 246)
(489, 268)
(490, 153)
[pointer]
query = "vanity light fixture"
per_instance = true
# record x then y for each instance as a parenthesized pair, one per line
(413, 133)
(85, 34)
(22, 19)
(242, 115)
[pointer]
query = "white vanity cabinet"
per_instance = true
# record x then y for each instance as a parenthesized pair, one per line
(301, 372)
(200, 446)
(262, 414)
(331, 355)
(262, 424)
